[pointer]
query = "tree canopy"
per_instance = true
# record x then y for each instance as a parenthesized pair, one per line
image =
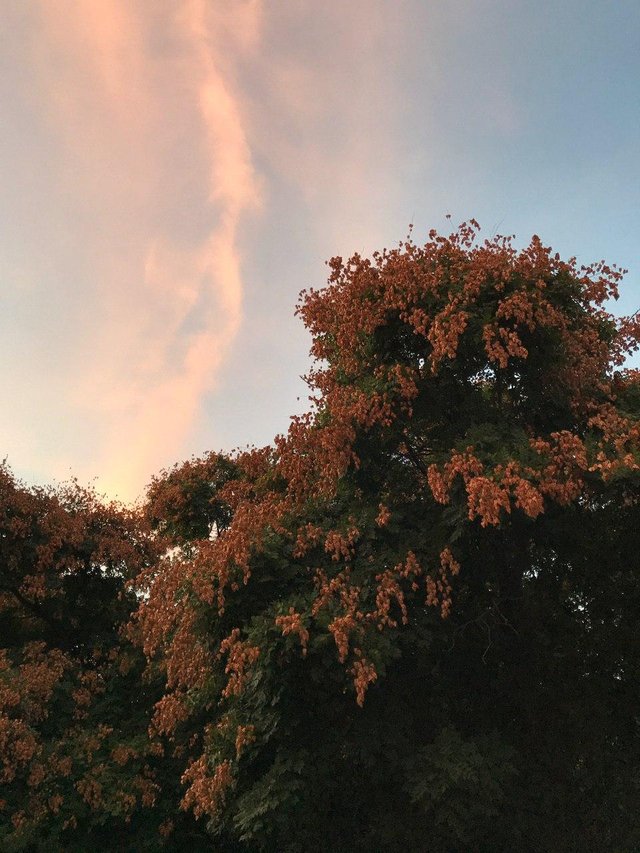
(409, 624)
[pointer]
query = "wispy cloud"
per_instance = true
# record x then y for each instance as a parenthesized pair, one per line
(145, 121)
(153, 160)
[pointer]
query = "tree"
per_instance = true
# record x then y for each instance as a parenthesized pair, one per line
(411, 623)
(78, 769)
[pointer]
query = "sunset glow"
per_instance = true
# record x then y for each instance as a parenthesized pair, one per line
(175, 172)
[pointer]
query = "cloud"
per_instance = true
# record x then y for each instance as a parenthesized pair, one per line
(151, 156)
(135, 177)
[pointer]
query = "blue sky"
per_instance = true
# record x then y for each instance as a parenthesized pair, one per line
(174, 172)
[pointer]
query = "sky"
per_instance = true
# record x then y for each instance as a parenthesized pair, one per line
(174, 172)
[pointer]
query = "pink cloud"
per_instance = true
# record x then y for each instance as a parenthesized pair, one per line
(144, 119)
(152, 117)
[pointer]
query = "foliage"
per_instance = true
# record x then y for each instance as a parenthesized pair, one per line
(410, 624)
(417, 630)
(77, 768)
